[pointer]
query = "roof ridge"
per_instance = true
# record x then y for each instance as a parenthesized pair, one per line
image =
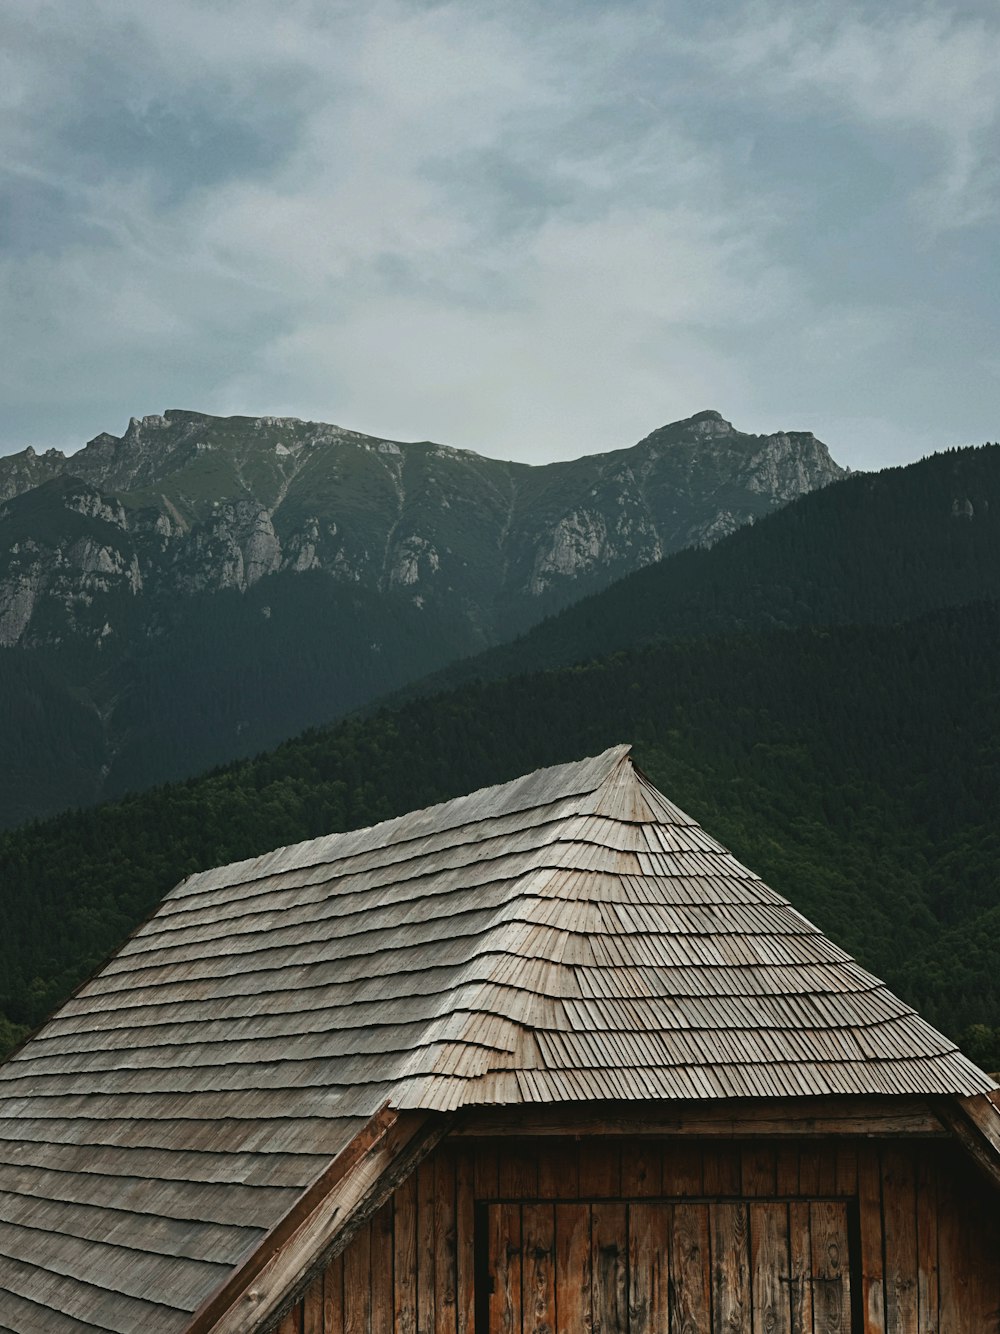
(411, 1087)
(568, 936)
(539, 788)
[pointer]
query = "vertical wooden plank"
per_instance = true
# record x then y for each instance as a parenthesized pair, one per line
(769, 1265)
(951, 1258)
(505, 1269)
(831, 1267)
(683, 1168)
(445, 1245)
(292, 1322)
(640, 1168)
(465, 1226)
(870, 1217)
(381, 1270)
(600, 1169)
(649, 1268)
(405, 1257)
(927, 1241)
(760, 1170)
(847, 1169)
(690, 1279)
(968, 1247)
(358, 1284)
(818, 1169)
(730, 1234)
(809, 1171)
(609, 1269)
(518, 1171)
(312, 1307)
(333, 1297)
(574, 1312)
(787, 1169)
(559, 1169)
(426, 1247)
(486, 1171)
(721, 1163)
(899, 1210)
(538, 1275)
(826, 1160)
(800, 1291)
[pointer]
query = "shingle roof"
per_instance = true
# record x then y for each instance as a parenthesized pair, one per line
(568, 936)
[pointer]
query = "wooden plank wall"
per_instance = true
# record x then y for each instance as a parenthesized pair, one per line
(929, 1228)
(652, 1266)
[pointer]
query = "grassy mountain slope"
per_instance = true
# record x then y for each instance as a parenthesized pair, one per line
(856, 768)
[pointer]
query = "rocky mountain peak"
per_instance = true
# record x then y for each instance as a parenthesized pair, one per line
(204, 504)
(200, 558)
(709, 423)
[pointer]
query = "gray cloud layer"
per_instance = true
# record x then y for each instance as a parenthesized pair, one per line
(534, 229)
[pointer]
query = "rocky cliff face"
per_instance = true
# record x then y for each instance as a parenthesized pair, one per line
(69, 565)
(200, 588)
(185, 504)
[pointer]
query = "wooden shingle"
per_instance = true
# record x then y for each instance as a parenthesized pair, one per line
(566, 937)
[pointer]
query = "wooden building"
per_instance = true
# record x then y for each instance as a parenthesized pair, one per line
(544, 1058)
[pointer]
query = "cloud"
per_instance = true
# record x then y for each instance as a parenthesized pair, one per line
(440, 195)
(931, 72)
(532, 229)
(603, 322)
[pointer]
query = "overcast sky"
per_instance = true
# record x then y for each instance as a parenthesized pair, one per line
(532, 229)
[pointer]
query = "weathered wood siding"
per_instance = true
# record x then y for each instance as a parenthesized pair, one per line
(925, 1241)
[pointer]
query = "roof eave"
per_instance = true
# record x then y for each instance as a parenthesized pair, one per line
(389, 1147)
(321, 1222)
(975, 1123)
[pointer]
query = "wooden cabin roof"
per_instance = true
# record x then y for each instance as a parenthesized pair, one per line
(565, 937)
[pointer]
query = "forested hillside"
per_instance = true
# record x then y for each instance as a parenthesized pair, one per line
(856, 768)
(200, 588)
(228, 674)
(873, 549)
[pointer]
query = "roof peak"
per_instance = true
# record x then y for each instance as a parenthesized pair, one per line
(563, 938)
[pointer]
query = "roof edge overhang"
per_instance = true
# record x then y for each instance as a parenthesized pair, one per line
(825, 1116)
(975, 1123)
(389, 1147)
(321, 1222)
(555, 782)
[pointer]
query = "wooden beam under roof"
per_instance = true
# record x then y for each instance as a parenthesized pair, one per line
(322, 1222)
(726, 1119)
(975, 1123)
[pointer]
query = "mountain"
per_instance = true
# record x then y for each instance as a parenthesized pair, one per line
(874, 549)
(821, 690)
(855, 767)
(201, 587)
(183, 503)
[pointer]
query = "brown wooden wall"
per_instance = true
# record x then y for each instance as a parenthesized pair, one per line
(927, 1244)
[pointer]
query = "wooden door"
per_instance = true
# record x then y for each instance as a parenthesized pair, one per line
(665, 1267)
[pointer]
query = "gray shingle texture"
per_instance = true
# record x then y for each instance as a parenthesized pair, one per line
(568, 936)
